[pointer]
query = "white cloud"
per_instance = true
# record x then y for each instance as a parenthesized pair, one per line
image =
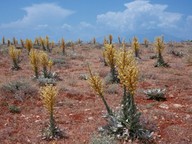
(40, 15)
(140, 14)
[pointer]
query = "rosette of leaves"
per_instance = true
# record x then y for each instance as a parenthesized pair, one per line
(34, 58)
(160, 46)
(156, 94)
(109, 55)
(97, 85)
(48, 95)
(15, 56)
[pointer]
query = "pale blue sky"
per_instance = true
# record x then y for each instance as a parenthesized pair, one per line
(85, 19)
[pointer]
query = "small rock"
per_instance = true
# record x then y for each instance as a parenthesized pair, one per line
(90, 118)
(177, 105)
(187, 116)
(164, 106)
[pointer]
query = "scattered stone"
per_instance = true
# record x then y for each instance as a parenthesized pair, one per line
(177, 105)
(164, 106)
(90, 118)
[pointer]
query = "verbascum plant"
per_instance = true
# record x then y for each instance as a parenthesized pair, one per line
(22, 43)
(63, 46)
(47, 44)
(135, 46)
(109, 54)
(34, 58)
(159, 47)
(146, 42)
(105, 41)
(14, 41)
(119, 40)
(28, 45)
(3, 40)
(52, 44)
(94, 40)
(97, 85)
(36, 42)
(128, 75)
(8, 42)
(48, 95)
(15, 55)
(45, 63)
(42, 41)
(110, 39)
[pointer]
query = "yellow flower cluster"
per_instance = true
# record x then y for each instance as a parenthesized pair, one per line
(96, 83)
(48, 95)
(63, 45)
(159, 44)
(44, 60)
(109, 54)
(34, 58)
(28, 45)
(127, 69)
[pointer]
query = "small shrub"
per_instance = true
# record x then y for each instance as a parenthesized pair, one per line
(14, 109)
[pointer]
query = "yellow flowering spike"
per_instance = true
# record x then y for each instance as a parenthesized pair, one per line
(159, 44)
(109, 54)
(63, 45)
(48, 96)
(44, 59)
(34, 58)
(28, 45)
(127, 69)
(14, 53)
(96, 83)
(135, 46)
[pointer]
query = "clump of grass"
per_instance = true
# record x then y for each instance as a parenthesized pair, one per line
(47, 44)
(135, 46)
(48, 96)
(160, 46)
(15, 56)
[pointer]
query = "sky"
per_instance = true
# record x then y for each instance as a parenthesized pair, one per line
(86, 19)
